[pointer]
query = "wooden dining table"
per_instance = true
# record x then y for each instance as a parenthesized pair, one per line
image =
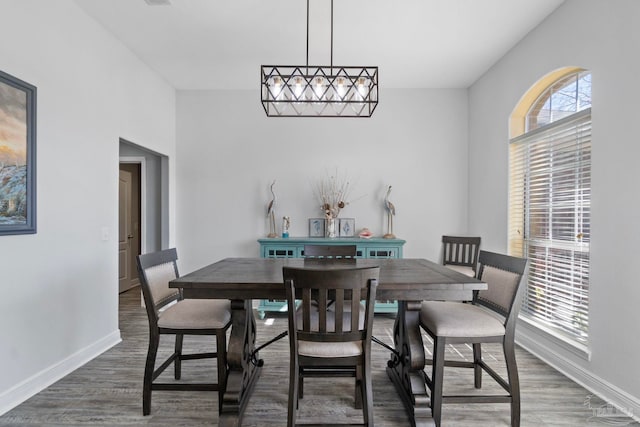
(408, 281)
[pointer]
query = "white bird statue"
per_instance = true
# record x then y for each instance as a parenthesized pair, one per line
(391, 211)
(271, 209)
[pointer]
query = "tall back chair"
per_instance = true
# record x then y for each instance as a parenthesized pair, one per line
(333, 342)
(169, 313)
(491, 318)
(329, 251)
(320, 255)
(461, 253)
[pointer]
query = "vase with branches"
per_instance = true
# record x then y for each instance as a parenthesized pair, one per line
(333, 193)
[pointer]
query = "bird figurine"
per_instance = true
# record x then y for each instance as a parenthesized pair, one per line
(271, 209)
(391, 211)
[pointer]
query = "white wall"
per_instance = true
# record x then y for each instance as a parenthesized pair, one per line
(59, 306)
(604, 37)
(229, 152)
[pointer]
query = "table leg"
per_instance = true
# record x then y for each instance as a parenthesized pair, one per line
(405, 368)
(242, 373)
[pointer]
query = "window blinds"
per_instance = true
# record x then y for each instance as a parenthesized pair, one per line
(549, 221)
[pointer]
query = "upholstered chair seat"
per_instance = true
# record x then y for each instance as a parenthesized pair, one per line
(196, 314)
(467, 271)
(454, 319)
(338, 349)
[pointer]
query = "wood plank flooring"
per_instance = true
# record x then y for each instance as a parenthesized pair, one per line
(108, 390)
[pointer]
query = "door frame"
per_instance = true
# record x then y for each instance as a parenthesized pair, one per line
(143, 197)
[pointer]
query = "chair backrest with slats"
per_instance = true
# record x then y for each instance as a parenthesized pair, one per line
(155, 271)
(329, 251)
(461, 251)
(347, 290)
(503, 275)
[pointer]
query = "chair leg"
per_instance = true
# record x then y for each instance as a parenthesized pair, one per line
(301, 384)
(177, 363)
(294, 377)
(514, 381)
(154, 341)
(477, 369)
(359, 388)
(367, 395)
(221, 351)
(437, 377)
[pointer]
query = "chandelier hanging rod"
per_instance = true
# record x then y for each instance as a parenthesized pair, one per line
(331, 55)
(331, 36)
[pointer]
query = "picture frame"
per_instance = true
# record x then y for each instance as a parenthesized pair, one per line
(347, 227)
(17, 156)
(316, 227)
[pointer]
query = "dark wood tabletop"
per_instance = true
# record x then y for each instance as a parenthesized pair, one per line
(261, 278)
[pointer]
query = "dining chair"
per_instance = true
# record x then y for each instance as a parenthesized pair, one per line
(319, 255)
(169, 313)
(461, 253)
(489, 318)
(329, 251)
(331, 343)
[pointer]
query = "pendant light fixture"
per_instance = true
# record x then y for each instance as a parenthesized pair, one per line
(319, 91)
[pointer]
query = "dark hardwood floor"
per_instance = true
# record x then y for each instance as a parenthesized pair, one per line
(108, 390)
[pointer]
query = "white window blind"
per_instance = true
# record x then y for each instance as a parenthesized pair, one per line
(549, 221)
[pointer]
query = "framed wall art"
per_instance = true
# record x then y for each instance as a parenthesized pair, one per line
(316, 227)
(17, 156)
(347, 227)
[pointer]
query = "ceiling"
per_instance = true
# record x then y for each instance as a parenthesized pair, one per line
(214, 44)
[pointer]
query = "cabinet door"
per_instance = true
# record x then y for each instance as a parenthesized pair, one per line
(382, 252)
(281, 251)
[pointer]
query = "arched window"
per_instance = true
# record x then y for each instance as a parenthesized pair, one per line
(550, 201)
(565, 97)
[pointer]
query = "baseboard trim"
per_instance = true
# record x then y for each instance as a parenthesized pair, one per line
(43, 379)
(623, 403)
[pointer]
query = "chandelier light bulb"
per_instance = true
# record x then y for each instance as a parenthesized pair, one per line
(341, 89)
(362, 87)
(277, 87)
(318, 86)
(298, 88)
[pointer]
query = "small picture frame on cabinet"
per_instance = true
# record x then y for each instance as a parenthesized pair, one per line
(347, 227)
(316, 227)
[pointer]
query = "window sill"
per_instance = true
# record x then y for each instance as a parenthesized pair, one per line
(541, 335)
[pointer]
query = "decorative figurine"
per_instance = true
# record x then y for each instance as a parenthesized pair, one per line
(271, 212)
(286, 223)
(391, 211)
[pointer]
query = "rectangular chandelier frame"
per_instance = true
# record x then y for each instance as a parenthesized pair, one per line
(319, 91)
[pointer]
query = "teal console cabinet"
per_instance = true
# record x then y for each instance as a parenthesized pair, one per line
(293, 247)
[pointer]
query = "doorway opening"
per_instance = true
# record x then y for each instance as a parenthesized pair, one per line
(142, 208)
(129, 227)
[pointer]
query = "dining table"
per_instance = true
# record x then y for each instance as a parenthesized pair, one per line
(409, 281)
